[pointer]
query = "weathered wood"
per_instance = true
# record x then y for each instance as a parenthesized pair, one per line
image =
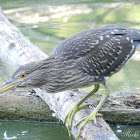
(16, 50)
(4, 71)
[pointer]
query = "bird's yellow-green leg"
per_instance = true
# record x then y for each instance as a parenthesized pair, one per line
(95, 113)
(77, 107)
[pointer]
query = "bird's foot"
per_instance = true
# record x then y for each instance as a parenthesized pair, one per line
(71, 114)
(92, 116)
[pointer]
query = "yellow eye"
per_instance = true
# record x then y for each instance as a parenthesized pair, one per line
(23, 75)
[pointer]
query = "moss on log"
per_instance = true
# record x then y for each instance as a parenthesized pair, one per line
(19, 106)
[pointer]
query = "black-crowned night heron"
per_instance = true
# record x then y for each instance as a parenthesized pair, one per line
(87, 58)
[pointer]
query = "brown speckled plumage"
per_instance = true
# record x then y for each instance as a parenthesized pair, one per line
(86, 58)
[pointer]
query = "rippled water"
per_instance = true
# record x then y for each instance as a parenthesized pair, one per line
(32, 131)
(54, 131)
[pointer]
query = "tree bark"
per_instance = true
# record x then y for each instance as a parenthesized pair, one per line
(16, 50)
(4, 71)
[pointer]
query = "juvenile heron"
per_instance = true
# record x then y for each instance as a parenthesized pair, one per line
(87, 58)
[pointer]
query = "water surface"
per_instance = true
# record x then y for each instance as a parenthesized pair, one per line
(54, 131)
(32, 131)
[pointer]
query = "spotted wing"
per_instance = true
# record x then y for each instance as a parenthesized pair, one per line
(82, 43)
(108, 57)
(99, 52)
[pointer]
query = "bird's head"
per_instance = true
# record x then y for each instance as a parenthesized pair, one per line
(27, 76)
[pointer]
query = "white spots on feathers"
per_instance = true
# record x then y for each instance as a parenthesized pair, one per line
(128, 38)
(119, 43)
(107, 36)
(95, 42)
(116, 39)
(133, 46)
(101, 37)
(106, 77)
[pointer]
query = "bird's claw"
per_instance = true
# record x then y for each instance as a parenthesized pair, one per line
(71, 114)
(92, 116)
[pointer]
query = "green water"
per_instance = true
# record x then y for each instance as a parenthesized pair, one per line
(48, 22)
(32, 131)
(54, 131)
(125, 132)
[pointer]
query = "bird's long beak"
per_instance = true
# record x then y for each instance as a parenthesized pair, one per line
(8, 85)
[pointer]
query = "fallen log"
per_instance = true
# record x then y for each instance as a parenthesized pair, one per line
(16, 50)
